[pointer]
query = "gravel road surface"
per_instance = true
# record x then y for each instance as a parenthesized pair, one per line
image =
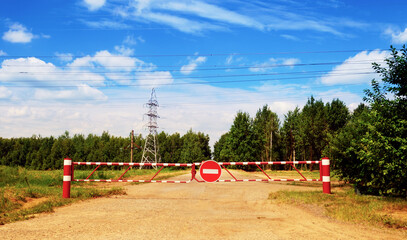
(190, 211)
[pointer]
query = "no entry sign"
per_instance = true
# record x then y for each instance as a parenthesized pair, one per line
(210, 171)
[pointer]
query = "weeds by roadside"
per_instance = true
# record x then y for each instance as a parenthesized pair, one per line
(345, 205)
(24, 193)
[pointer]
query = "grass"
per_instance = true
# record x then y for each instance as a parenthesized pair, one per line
(105, 173)
(24, 193)
(345, 205)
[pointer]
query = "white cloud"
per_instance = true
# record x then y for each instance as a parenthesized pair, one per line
(262, 67)
(83, 92)
(93, 5)
(191, 66)
(210, 11)
(302, 23)
(111, 61)
(125, 51)
(290, 37)
(17, 33)
(19, 111)
(103, 24)
(356, 69)
(229, 60)
(291, 62)
(4, 92)
(2, 53)
(66, 57)
(154, 79)
(173, 14)
(197, 16)
(131, 40)
(397, 36)
(273, 62)
(34, 72)
(180, 23)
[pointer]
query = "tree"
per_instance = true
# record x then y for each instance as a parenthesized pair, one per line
(222, 151)
(195, 147)
(243, 141)
(313, 128)
(377, 153)
(291, 134)
(266, 127)
(337, 115)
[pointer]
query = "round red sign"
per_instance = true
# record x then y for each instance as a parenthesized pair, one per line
(210, 171)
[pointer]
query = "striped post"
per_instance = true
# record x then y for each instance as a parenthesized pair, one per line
(326, 176)
(66, 187)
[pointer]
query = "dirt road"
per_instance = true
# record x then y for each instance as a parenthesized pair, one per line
(190, 211)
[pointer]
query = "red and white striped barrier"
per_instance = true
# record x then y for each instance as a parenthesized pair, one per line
(66, 186)
(69, 173)
(326, 176)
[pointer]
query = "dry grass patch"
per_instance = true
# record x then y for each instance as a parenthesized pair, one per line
(345, 205)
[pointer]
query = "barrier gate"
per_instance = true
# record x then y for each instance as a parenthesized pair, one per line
(211, 171)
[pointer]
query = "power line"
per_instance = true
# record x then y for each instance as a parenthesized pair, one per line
(197, 68)
(187, 83)
(188, 97)
(183, 103)
(150, 78)
(202, 54)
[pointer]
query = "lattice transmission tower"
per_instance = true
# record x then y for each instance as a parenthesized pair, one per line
(150, 151)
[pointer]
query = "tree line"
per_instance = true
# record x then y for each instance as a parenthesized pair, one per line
(43, 153)
(305, 134)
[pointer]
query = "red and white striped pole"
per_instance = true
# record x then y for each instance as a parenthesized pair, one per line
(326, 176)
(66, 187)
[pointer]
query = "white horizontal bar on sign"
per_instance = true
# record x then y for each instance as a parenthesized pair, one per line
(210, 171)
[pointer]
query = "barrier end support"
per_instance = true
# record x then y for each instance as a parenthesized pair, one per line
(326, 176)
(66, 186)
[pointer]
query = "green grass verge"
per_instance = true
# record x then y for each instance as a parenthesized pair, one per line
(24, 193)
(346, 206)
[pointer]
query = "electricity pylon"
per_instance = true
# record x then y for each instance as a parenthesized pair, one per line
(150, 152)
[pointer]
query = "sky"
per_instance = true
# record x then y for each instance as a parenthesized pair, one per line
(88, 66)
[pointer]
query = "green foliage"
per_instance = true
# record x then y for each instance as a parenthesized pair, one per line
(290, 133)
(313, 128)
(170, 147)
(337, 115)
(371, 149)
(266, 126)
(195, 147)
(222, 151)
(243, 141)
(48, 153)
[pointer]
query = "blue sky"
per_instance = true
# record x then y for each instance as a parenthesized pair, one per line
(89, 65)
